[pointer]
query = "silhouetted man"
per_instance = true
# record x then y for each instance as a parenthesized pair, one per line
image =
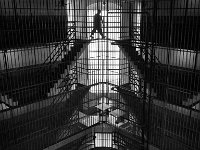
(97, 24)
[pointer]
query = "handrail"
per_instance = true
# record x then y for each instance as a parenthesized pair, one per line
(55, 100)
(194, 104)
(130, 93)
(73, 27)
(59, 51)
(86, 86)
(56, 43)
(133, 30)
(72, 137)
(154, 57)
(60, 94)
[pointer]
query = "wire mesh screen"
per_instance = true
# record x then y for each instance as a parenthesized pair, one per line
(132, 84)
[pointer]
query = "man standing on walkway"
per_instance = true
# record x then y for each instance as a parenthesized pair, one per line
(98, 21)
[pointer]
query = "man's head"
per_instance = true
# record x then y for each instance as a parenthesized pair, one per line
(99, 11)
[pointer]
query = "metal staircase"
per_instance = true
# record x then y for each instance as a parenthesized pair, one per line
(178, 93)
(158, 125)
(29, 85)
(42, 125)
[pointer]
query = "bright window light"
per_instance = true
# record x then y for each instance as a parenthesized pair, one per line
(103, 56)
(103, 140)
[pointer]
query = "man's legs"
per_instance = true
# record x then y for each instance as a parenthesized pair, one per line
(101, 33)
(93, 31)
